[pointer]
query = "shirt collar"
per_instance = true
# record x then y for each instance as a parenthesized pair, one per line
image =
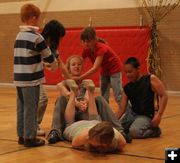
(28, 28)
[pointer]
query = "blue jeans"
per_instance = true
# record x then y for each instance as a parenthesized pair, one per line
(115, 81)
(27, 103)
(103, 108)
(43, 101)
(138, 126)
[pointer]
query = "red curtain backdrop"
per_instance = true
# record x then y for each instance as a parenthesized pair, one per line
(126, 42)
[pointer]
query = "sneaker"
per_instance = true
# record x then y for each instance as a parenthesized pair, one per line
(40, 132)
(127, 137)
(36, 142)
(54, 136)
(21, 140)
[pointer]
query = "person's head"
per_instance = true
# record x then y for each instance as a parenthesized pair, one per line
(30, 14)
(52, 32)
(101, 136)
(88, 37)
(74, 65)
(132, 69)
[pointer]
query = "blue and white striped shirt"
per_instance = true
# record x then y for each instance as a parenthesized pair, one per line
(29, 50)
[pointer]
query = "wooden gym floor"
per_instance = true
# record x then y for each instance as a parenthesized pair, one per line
(139, 151)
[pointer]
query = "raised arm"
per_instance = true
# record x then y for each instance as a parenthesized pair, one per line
(158, 87)
(64, 69)
(70, 108)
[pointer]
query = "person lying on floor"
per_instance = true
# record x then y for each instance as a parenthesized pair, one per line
(140, 120)
(91, 134)
(74, 66)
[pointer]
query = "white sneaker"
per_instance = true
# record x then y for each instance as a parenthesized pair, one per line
(40, 132)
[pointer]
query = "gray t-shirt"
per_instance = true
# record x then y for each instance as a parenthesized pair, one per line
(77, 127)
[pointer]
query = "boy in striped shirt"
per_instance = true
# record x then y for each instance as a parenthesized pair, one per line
(29, 50)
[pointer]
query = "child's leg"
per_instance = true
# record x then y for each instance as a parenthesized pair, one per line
(31, 98)
(141, 128)
(106, 113)
(43, 101)
(116, 83)
(20, 113)
(105, 87)
(58, 122)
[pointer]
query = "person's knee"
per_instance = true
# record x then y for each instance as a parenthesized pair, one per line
(43, 99)
(134, 132)
(140, 132)
(98, 98)
(61, 99)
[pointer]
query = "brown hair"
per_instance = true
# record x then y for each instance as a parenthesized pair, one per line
(88, 34)
(103, 132)
(70, 58)
(29, 11)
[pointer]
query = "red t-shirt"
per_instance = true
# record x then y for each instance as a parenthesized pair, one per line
(111, 62)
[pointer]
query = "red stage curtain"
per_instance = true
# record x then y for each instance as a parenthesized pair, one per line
(126, 42)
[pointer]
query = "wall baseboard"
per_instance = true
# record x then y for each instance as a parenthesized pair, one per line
(9, 85)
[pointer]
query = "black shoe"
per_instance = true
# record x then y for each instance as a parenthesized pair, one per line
(54, 136)
(21, 140)
(34, 142)
(127, 137)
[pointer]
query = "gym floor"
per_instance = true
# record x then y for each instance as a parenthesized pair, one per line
(139, 151)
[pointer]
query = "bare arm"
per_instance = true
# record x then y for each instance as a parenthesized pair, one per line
(122, 106)
(158, 87)
(70, 108)
(81, 139)
(51, 66)
(95, 67)
(64, 69)
(121, 142)
(63, 90)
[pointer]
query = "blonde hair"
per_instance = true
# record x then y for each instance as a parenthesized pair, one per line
(70, 58)
(29, 11)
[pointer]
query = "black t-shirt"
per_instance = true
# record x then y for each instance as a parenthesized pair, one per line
(141, 96)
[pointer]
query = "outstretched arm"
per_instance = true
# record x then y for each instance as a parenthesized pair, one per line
(122, 105)
(94, 69)
(158, 87)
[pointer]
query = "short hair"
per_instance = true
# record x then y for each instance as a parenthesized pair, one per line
(103, 132)
(133, 61)
(70, 58)
(29, 11)
(52, 32)
(88, 33)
